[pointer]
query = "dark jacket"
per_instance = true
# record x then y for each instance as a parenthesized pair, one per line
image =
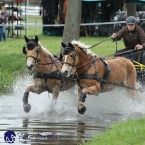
(131, 39)
(3, 18)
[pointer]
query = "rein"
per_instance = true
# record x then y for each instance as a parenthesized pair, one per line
(98, 43)
(47, 63)
(120, 85)
(88, 62)
(94, 77)
(117, 54)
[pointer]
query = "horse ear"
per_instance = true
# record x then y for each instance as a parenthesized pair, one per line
(63, 44)
(71, 45)
(36, 38)
(24, 50)
(26, 39)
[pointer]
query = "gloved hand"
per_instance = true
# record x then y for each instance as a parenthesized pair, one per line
(113, 35)
(138, 46)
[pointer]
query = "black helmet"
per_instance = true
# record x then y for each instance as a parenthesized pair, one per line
(131, 20)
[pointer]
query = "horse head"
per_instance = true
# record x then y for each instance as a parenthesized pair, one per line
(70, 58)
(31, 50)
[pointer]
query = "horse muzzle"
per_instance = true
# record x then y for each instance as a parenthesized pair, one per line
(65, 73)
(30, 66)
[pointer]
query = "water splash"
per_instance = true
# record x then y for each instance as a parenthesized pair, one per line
(113, 105)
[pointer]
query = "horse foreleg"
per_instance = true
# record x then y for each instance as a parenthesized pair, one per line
(89, 90)
(26, 106)
(55, 94)
(34, 89)
(81, 107)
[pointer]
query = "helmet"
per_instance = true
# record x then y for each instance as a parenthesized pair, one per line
(131, 20)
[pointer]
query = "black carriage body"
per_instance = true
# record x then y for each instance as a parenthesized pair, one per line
(137, 58)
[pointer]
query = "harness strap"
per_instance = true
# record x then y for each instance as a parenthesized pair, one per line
(85, 72)
(104, 79)
(120, 85)
(53, 62)
(93, 77)
(107, 68)
(55, 75)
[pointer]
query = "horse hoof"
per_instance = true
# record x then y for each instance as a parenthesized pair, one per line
(27, 108)
(82, 110)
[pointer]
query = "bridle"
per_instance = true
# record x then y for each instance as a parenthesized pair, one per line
(73, 56)
(37, 51)
(53, 61)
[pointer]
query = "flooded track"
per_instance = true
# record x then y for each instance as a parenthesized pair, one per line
(63, 125)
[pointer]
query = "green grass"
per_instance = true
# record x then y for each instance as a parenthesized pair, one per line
(34, 19)
(130, 132)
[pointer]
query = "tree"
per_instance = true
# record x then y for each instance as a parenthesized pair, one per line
(73, 19)
(131, 9)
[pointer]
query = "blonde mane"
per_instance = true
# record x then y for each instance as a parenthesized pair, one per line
(44, 49)
(83, 47)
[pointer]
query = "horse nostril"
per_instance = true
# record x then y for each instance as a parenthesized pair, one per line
(66, 72)
(29, 66)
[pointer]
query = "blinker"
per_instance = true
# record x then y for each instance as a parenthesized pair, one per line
(67, 50)
(24, 50)
(74, 55)
(31, 45)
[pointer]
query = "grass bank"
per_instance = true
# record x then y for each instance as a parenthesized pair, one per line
(130, 132)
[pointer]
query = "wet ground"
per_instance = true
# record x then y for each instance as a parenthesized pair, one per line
(63, 125)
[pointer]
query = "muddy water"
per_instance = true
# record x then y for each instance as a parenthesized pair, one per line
(62, 125)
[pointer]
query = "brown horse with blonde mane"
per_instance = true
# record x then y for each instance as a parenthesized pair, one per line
(94, 74)
(46, 69)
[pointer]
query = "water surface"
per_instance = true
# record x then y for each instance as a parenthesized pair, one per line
(63, 122)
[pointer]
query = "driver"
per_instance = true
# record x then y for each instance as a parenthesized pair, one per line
(134, 38)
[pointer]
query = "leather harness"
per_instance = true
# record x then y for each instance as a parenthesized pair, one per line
(84, 75)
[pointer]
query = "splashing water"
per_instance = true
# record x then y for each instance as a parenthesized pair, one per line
(113, 105)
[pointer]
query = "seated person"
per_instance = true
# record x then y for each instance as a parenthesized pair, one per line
(134, 38)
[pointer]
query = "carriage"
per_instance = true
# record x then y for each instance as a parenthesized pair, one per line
(140, 69)
(139, 65)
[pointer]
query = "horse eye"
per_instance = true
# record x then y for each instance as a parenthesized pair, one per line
(37, 50)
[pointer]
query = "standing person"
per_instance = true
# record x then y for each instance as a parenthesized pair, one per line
(134, 38)
(3, 21)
